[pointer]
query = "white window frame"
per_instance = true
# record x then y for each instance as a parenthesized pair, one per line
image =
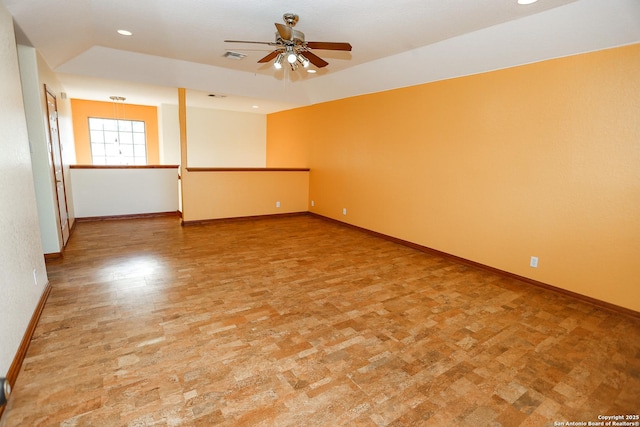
(117, 142)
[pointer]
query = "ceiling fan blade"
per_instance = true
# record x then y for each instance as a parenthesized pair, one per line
(314, 59)
(270, 56)
(329, 45)
(249, 41)
(285, 32)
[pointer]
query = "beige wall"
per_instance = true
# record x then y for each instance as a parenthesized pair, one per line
(232, 140)
(211, 195)
(35, 74)
(225, 138)
(105, 192)
(169, 134)
(20, 247)
(538, 160)
(216, 138)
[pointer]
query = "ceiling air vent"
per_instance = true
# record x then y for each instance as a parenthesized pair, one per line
(234, 55)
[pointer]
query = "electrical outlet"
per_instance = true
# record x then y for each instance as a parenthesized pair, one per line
(344, 211)
(277, 204)
(313, 203)
(534, 262)
(35, 277)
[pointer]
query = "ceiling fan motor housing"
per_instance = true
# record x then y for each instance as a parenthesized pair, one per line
(297, 38)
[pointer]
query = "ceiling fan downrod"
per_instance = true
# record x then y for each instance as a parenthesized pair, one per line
(291, 19)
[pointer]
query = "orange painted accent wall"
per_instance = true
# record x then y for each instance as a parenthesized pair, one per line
(284, 150)
(538, 160)
(82, 109)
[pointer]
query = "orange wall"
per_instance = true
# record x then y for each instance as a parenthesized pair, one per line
(538, 160)
(82, 110)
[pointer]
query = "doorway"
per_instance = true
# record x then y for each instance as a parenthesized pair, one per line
(55, 148)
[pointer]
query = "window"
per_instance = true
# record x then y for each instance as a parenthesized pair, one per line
(117, 142)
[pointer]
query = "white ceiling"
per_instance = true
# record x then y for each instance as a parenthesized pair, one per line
(395, 44)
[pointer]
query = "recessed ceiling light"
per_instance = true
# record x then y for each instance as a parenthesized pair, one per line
(255, 106)
(526, 1)
(311, 71)
(125, 33)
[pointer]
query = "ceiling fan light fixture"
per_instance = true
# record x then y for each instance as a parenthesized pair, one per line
(303, 61)
(278, 62)
(291, 58)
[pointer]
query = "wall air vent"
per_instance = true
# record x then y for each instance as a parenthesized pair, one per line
(234, 55)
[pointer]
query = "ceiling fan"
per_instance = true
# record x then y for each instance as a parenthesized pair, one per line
(290, 46)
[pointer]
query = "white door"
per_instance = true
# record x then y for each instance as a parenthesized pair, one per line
(56, 158)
